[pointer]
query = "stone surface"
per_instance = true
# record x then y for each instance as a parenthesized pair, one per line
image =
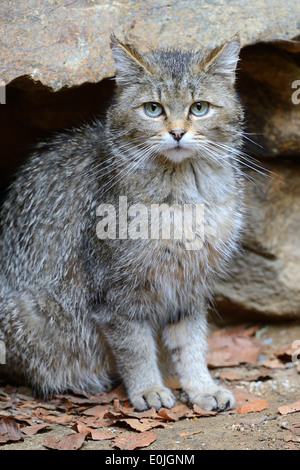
(65, 42)
(268, 73)
(266, 276)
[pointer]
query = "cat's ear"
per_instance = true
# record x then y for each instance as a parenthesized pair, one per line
(223, 60)
(129, 63)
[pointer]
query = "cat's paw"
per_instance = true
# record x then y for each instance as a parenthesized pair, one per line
(156, 397)
(215, 399)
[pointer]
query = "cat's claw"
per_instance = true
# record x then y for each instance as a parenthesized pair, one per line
(218, 399)
(156, 397)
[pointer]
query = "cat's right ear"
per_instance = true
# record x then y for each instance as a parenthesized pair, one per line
(223, 60)
(129, 63)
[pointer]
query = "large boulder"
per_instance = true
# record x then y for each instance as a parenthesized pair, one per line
(65, 43)
(265, 277)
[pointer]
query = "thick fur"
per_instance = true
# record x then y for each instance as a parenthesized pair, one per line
(76, 310)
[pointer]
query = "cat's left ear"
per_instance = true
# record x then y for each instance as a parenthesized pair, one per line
(223, 60)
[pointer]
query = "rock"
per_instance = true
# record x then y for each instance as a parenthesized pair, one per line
(267, 76)
(65, 43)
(265, 278)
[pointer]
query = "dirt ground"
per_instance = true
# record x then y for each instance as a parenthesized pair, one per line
(262, 430)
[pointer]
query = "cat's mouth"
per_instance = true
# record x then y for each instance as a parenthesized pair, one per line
(178, 153)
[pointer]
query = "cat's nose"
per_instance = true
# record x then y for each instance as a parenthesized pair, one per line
(177, 134)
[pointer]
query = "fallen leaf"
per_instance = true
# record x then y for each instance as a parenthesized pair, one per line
(97, 423)
(291, 438)
(251, 421)
(253, 406)
(10, 431)
(130, 413)
(132, 442)
(31, 430)
(233, 346)
(190, 433)
(241, 396)
(97, 411)
(82, 429)
(285, 352)
(272, 364)
(284, 410)
(200, 412)
(70, 442)
(64, 420)
(294, 428)
(118, 393)
(290, 447)
(167, 414)
(246, 375)
(101, 436)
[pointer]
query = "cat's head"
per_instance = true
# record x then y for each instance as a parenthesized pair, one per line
(178, 104)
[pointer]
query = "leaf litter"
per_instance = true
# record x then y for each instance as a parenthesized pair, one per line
(234, 357)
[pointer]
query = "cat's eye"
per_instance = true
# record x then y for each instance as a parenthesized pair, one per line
(153, 109)
(200, 108)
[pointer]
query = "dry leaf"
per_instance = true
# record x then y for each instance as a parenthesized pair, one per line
(97, 411)
(82, 429)
(132, 442)
(70, 442)
(167, 414)
(64, 420)
(101, 436)
(231, 347)
(246, 375)
(92, 433)
(200, 412)
(241, 396)
(10, 431)
(253, 406)
(272, 364)
(118, 393)
(285, 352)
(190, 433)
(126, 412)
(294, 428)
(284, 410)
(251, 421)
(291, 438)
(31, 430)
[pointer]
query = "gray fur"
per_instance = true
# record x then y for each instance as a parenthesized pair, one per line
(76, 311)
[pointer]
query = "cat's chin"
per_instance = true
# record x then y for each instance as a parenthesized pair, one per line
(177, 154)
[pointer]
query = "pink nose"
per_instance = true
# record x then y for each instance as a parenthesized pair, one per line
(177, 134)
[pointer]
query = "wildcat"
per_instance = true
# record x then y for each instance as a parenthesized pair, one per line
(77, 310)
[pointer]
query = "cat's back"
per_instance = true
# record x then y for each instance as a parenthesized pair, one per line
(46, 207)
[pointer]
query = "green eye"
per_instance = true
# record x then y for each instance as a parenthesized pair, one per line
(200, 108)
(153, 109)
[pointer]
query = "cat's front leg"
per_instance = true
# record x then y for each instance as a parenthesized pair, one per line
(187, 341)
(134, 349)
